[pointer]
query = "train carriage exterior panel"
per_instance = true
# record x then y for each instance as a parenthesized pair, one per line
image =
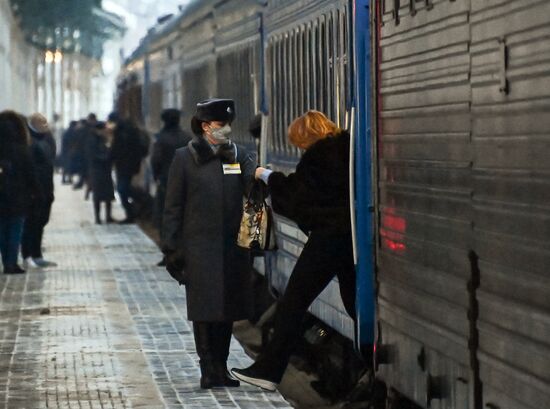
(424, 204)
(511, 199)
(238, 62)
(463, 205)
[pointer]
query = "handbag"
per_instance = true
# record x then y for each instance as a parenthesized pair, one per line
(256, 231)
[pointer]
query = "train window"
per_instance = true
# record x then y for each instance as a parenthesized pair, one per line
(270, 62)
(331, 41)
(302, 71)
(313, 67)
(291, 89)
(274, 95)
(234, 69)
(322, 66)
(292, 79)
(280, 87)
(346, 57)
(307, 69)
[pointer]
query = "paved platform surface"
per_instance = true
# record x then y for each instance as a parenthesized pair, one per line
(104, 329)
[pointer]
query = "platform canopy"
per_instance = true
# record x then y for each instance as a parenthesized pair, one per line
(67, 25)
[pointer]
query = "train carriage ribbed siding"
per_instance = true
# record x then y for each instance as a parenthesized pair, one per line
(424, 204)
(464, 288)
(511, 199)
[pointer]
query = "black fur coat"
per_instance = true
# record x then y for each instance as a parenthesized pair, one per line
(316, 195)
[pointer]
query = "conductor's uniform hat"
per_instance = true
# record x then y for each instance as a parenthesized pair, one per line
(213, 109)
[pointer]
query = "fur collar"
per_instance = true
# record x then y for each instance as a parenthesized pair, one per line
(202, 152)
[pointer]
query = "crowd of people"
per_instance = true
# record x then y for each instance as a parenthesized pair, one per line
(91, 149)
(202, 180)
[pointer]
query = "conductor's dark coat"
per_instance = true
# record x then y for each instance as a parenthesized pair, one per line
(201, 222)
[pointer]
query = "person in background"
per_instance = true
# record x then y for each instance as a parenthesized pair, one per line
(316, 197)
(67, 146)
(255, 129)
(43, 157)
(18, 187)
(77, 153)
(101, 168)
(207, 183)
(170, 138)
(89, 136)
(130, 147)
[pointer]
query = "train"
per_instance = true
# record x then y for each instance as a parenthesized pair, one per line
(447, 103)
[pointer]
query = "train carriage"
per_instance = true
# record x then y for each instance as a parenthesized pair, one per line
(463, 304)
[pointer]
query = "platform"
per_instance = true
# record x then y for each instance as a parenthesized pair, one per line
(104, 329)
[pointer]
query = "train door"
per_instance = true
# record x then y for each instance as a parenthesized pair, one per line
(362, 188)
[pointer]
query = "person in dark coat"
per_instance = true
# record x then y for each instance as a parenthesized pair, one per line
(101, 167)
(67, 146)
(167, 141)
(43, 152)
(84, 138)
(316, 197)
(130, 147)
(170, 138)
(18, 187)
(207, 182)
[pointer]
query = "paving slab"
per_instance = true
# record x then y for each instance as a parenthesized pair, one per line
(104, 329)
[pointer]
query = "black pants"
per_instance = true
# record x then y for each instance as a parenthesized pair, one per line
(158, 209)
(37, 219)
(125, 192)
(323, 257)
(97, 209)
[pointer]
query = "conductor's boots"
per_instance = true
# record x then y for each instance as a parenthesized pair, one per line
(215, 375)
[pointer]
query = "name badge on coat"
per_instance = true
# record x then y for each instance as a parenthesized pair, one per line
(231, 168)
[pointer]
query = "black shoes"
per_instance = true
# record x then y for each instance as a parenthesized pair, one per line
(256, 376)
(14, 270)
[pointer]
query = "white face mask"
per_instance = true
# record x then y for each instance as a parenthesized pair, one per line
(221, 135)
